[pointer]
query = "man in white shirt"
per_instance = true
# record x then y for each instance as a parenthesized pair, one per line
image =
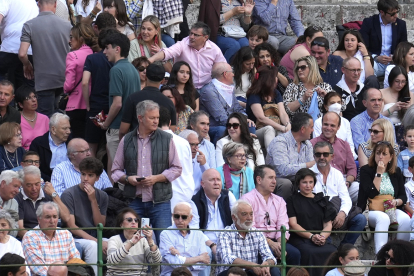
(331, 182)
(183, 186)
(13, 14)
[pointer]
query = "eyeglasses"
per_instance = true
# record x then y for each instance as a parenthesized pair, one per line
(195, 35)
(193, 145)
(358, 71)
(393, 13)
(31, 162)
(400, 82)
(234, 126)
(131, 219)
(83, 151)
(302, 68)
(267, 216)
(319, 154)
(34, 97)
(388, 257)
(375, 131)
(183, 217)
(240, 156)
(141, 68)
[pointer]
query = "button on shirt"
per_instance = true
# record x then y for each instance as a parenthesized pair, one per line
(386, 33)
(275, 207)
(190, 245)
(59, 153)
(65, 176)
(335, 186)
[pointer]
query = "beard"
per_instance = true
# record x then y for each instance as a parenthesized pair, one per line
(245, 225)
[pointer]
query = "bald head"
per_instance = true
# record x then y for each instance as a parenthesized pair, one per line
(183, 207)
(78, 149)
(57, 271)
(210, 173)
(223, 72)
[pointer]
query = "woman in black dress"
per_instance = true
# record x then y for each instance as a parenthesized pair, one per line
(307, 210)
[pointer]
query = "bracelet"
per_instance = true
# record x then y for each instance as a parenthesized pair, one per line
(212, 244)
(247, 15)
(367, 58)
(311, 236)
(389, 112)
(300, 102)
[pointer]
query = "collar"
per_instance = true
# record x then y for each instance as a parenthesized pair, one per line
(326, 139)
(149, 136)
(178, 231)
(369, 117)
(41, 195)
(258, 194)
(209, 200)
(45, 13)
(316, 170)
(290, 136)
(207, 45)
(122, 60)
(122, 236)
(342, 84)
(53, 142)
(382, 23)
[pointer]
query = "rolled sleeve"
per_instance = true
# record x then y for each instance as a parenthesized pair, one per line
(118, 164)
(264, 249)
(282, 219)
(346, 202)
(175, 169)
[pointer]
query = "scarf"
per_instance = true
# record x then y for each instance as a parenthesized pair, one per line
(226, 91)
(227, 171)
(353, 97)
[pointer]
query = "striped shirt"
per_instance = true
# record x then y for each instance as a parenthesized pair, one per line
(39, 249)
(65, 176)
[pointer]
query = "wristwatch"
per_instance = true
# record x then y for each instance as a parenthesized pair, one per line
(54, 194)
(211, 245)
(92, 16)
(378, 175)
(126, 179)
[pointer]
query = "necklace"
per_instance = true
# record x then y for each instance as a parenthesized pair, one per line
(15, 157)
(30, 120)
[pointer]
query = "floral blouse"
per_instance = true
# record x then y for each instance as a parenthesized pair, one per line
(295, 91)
(386, 187)
(183, 119)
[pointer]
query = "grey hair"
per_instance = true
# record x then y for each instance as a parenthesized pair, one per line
(347, 60)
(218, 69)
(193, 118)
(322, 144)
(55, 119)
(48, 205)
(8, 176)
(146, 105)
(186, 132)
(409, 116)
(185, 204)
(230, 149)
(4, 214)
(71, 147)
(33, 170)
(50, 2)
(235, 207)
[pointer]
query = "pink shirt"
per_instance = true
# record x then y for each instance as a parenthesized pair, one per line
(144, 165)
(29, 133)
(287, 62)
(275, 207)
(201, 61)
(74, 71)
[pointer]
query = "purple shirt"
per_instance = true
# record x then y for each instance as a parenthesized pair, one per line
(144, 164)
(275, 207)
(343, 159)
(201, 61)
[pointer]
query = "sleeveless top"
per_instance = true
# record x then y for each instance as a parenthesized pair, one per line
(288, 63)
(394, 116)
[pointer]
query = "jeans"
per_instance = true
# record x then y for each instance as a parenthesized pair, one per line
(282, 43)
(217, 132)
(158, 213)
(80, 249)
(229, 46)
(292, 256)
(47, 101)
(379, 69)
(168, 40)
(357, 223)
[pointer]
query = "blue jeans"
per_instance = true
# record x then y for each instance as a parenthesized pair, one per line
(229, 46)
(47, 101)
(357, 223)
(158, 213)
(168, 40)
(217, 132)
(379, 69)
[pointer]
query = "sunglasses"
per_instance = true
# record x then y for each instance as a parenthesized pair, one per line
(183, 217)
(319, 43)
(234, 126)
(141, 68)
(319, 154)
(388, 257)
(131, 219)
(393, 13)
(384, 142)
(267, 217)
(375, 132)
(302, 68)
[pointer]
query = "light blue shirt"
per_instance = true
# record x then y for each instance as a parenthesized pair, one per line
(59, 153)
(235, 189)
(65, 176)
(190, 245)
(208, 149)
(360, 125)
(386, 32)
(402, 163)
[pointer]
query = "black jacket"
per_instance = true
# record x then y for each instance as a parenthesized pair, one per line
(367, 188)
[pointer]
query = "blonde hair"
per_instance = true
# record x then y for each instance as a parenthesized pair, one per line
(388, 129)
(156, 23)
(314, 76)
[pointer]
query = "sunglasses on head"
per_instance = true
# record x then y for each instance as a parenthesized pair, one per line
(319, 154)
(131, 219)
(302, 68)
(183, 217)
(388, 257)
(375, 132)
(319, 43)
(234, 126)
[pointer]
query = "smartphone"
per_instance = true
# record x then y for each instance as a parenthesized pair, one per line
(140, 178)
(406, 99)
(144, 221)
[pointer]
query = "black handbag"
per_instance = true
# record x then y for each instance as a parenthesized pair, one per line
(63, 102)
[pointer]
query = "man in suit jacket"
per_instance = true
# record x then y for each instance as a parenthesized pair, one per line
(386, 24)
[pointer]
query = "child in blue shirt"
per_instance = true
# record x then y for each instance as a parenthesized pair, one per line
(405, 155)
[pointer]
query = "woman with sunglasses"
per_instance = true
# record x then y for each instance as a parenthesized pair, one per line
(141, 65)
(182, 77)
(33, 124)
(130, 247)
(183, 111)
(300, 49)
(381, 130)
(310, 212)
(381, 176)
(263, 97)
(235, 175)
(393, 253)
(237, 130)
(117, 9)
(307, 80)
(403, 56)
(346, 253)
(11, 150)
(352, 45)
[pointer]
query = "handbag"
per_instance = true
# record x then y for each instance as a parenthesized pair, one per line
(63, 102)
(233, 31)
(271, 111)
(377, 203)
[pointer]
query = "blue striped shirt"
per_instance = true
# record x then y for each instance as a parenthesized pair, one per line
(65, 176)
